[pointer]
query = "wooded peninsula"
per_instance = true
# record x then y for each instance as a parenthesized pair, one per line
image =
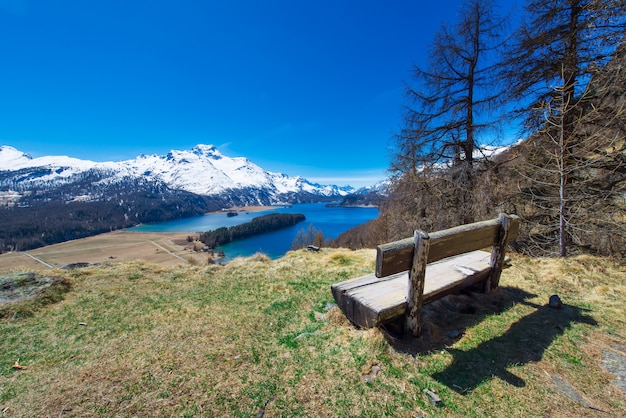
(259, 225)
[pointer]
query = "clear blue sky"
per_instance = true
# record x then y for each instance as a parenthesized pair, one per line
(303, 87)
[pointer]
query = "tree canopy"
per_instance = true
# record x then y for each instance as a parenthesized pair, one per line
(552, 75)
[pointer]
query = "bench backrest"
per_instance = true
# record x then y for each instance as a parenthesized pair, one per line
(397, 256)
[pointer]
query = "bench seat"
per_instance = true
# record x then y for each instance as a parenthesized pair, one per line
(369, 301)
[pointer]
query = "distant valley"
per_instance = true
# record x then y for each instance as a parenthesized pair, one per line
(53, 199)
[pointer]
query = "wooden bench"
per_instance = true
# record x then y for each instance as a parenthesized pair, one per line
(415, 271)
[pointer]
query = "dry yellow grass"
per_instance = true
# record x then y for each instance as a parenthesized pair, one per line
(140, 339)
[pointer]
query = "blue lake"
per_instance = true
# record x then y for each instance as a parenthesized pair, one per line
(332, 221)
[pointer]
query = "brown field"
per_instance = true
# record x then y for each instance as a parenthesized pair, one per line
(158, 248)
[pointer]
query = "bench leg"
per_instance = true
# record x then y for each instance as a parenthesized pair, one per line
(497, 254)
(417, 276)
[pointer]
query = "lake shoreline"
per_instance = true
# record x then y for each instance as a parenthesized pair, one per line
(244, 209)
(339, 205)
(179, 245)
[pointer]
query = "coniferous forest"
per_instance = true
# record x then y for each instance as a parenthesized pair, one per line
(258, 225)
(45, 217)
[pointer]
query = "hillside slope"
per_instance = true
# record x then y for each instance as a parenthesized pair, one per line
(255, 337)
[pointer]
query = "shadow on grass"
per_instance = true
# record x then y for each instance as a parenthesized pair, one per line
(524, 341)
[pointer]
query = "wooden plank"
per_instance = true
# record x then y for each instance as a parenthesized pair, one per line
(380, 298)
(369, 301)
(349, 291)
(397, 256)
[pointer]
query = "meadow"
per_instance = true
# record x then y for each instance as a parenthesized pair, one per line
(157, 248)
(260, 337)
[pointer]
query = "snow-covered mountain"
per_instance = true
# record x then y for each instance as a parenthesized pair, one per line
(381, 187)
(202, 170)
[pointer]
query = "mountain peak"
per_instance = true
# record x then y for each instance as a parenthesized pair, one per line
(202, 170)
(204, 150)
(10, 157)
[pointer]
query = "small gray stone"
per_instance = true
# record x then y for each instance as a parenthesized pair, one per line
(369, 377)
(433, 397)
(329, 306)
(566, 388)
(307, 334)
(375, 369)
(614, 360)
(454, 334)
(555, 302)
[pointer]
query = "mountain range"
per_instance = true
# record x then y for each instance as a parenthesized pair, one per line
(203, 171)
(52, 199)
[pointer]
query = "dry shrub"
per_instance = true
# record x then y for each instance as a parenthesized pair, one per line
(259, 258)
(336, 318)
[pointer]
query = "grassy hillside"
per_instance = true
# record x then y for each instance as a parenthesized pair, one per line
(255, 337)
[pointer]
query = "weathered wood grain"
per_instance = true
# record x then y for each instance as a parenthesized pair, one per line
(349, 293)
(417, 277)
(497, 253)
(397, 256)
(369, 301)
